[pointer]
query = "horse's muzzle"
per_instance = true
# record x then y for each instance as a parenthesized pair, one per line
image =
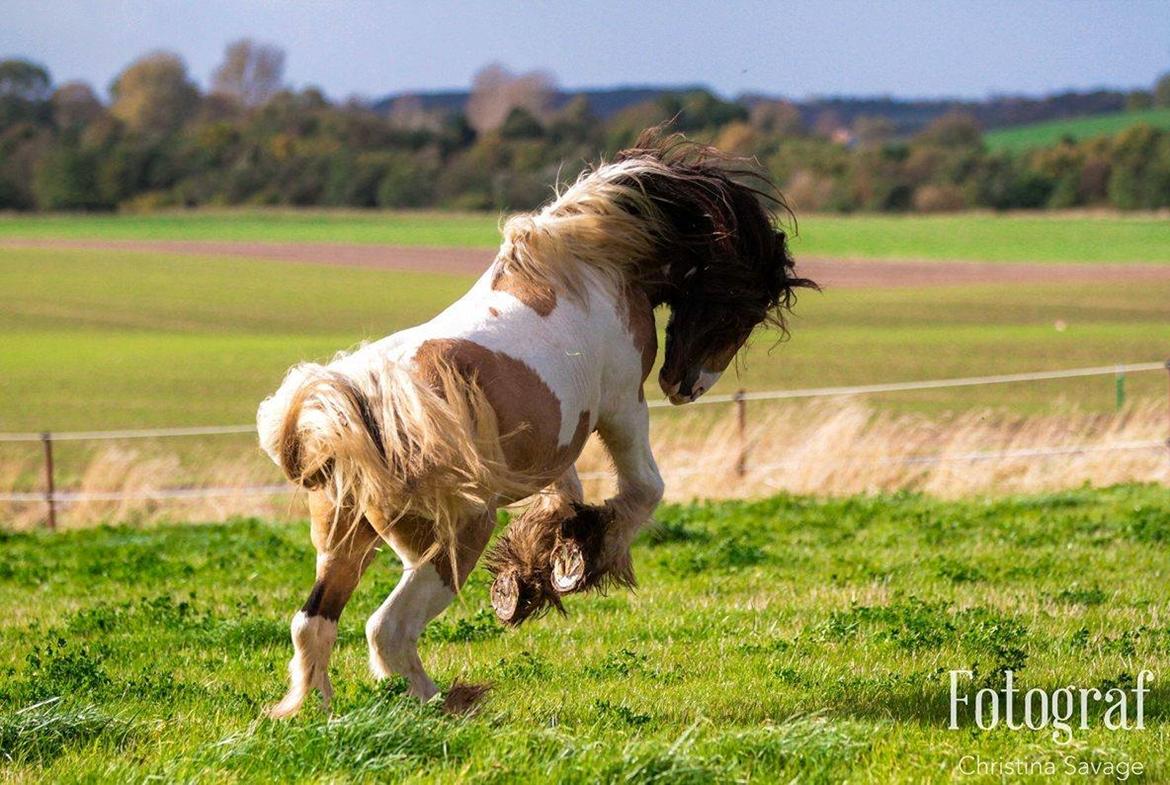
(694, 383)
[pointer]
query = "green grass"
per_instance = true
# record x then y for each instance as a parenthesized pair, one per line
(788, 639)
(1026, 137)
(477, 230)
(103, 339)
(976, 236)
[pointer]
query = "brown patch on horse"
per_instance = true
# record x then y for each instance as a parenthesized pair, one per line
(639, 315)
(416, 536)
(527, 411)
(464, 699)
(495, 314)
(347, 543)
(541, 298)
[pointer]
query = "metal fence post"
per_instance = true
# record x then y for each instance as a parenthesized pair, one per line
(50, 500)
(741, 422)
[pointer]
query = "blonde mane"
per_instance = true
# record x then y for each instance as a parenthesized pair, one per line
(605, 221)
(663, 210)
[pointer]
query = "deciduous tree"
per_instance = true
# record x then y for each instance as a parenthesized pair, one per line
(154, 94)
(251, 73)
(496, 91)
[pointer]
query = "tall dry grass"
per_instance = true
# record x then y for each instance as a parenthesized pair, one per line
(828, 447)
(843, 446)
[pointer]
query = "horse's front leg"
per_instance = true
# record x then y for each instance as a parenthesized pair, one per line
(594, 545)
(522, 557)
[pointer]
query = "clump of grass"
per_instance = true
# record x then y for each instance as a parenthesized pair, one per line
(619, 663)
(620, 713)
(41, 733)
(480, 626)
(389, 736)
(59, 668)
(524, 666)
(674, 527)
(958, 571)
(1082, 595)
(809, 749)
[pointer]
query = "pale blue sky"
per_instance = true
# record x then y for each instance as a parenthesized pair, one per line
(906, 48)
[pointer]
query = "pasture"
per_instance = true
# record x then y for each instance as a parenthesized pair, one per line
(1021, 237)
(1026, 137)
(788, 639)
(106, 339)
(100, 338)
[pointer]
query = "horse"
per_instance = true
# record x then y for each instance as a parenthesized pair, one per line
(415, 440)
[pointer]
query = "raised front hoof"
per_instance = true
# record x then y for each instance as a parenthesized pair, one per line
(506, 597)
(568, 567)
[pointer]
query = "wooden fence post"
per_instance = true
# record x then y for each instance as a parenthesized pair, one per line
(741, 422)
(1168, 396)
(1119, 390)
(50, 491)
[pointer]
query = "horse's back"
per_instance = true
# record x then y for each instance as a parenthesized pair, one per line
(542, 368)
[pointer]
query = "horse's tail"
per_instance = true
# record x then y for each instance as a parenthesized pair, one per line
(383, 439)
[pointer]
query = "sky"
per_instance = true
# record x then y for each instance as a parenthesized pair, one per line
(797, 49)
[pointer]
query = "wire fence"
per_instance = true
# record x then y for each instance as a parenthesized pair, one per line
(52, 498)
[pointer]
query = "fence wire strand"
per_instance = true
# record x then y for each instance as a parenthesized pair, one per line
(761, 395)
(163, 494)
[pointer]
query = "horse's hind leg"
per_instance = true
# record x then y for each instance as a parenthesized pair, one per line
(424, 591)
(345, 548)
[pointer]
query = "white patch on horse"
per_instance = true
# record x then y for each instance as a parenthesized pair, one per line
(706, 381)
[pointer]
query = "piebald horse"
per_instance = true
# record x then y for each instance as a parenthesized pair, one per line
(416, 439)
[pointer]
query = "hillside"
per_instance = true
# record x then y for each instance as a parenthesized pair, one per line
(603, 102)
(1026, 137)
(907, 115)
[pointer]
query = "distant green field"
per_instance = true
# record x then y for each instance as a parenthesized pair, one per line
(974, 236)
(1025, 137)
(98, 339)
(784, 640)
(287, 226)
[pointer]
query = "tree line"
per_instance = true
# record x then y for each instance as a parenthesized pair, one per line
(160, 141)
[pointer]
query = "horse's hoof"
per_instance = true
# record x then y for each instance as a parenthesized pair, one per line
(568, 567)
(506, 596)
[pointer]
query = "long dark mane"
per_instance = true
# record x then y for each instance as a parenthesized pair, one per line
(726, 243)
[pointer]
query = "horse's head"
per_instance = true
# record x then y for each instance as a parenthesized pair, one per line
(717, 306)
(690, 226)
(719, 303)
(725, 266)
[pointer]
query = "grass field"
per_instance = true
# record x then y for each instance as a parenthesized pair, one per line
(1026, 137)
(782, 640)
(98, 339)
(979, 236)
